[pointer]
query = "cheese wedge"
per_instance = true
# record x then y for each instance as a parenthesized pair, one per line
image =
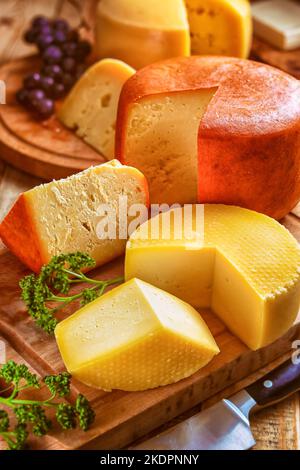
(220, 27)
(63, 216)
(141, 32)
(134, 337)
(213, 129)
(91, 107)
(244, 265)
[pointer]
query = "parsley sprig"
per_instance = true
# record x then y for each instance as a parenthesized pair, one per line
(30, 415)
(57, 277)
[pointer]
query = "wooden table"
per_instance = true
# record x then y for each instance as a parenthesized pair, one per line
(274, 428)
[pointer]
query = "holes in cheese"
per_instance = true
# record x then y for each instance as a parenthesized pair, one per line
(246, 267)
(134, 337)
(165, 128)
(62, 216)
(142, 32)
(220, 27)
(91, 106)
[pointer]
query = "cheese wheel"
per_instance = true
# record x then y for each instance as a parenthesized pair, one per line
(133, 338)
(220, 27)
(213, 129)
(62, 216)
(242, 264)
(141, 32)
(91, 107)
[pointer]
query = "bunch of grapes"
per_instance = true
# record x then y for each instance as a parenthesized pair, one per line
(63, 54)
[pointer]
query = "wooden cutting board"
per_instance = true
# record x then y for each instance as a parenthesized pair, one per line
(123, 417)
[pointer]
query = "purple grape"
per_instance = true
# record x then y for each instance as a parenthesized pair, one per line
(39, 21)
(22, 97)
(69, 64)
(83, 50)
(30, 36)
(68, 80)
(60, 24)
(60, 36)
(54, 71)
(34, 97)
(69, 49)
(45, 108)
(73, 36)
(44, 40)
(32, 81)
(47, 85)
(52, 55)
(58, 90)
(45, 30)
(80, 69)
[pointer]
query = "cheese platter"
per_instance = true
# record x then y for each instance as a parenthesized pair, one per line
(153, 340)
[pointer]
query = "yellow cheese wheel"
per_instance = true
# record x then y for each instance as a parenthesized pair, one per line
(242, 264)
(91, 107)
(141, 32)
(220, 27)
(133, 338)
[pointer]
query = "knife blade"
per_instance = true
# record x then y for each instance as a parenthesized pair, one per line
(226, 425)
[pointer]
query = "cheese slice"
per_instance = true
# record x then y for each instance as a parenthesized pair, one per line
(220, 27)
(91, 107)
(134, 337)
(242, 264)
(63, 216)
(141, 32)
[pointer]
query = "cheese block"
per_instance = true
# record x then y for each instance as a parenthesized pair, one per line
(220, 27)
(242, 264)
(141, 32)
(133, 338)
(91, 107)
(213, 129)
(63, 216)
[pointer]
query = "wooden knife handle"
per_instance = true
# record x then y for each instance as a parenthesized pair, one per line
(277, 385)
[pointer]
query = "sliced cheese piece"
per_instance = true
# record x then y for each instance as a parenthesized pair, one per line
(245, 149)
(220, 27)
(91, 107)
(62, 216)
(142, 32)
(244, 265)
(134, 337)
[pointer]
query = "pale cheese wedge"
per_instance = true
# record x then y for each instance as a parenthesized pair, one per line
(133, 338)
(242, 264)
(91, 107)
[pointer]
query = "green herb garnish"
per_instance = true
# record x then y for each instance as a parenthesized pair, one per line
(30, 415)
(57, 277)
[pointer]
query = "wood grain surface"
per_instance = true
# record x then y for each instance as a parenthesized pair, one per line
(274, 428)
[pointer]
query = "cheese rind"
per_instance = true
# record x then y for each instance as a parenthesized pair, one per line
(220, 27)
(248, 139)
(91, 107)
(135, 337)
(246, 267)
(62, 216)
(140, 32)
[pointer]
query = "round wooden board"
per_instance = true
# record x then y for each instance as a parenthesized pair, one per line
(44, 149)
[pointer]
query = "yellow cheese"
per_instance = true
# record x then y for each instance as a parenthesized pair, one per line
(134, 337)
(91, 107)
(141, 32)
(64, 216)
(152, 129)
(220, 27)
(242, 264)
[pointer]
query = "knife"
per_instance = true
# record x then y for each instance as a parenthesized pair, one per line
(226, 426)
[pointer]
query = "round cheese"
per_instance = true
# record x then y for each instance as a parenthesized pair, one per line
(214, 129)
(244, 265)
